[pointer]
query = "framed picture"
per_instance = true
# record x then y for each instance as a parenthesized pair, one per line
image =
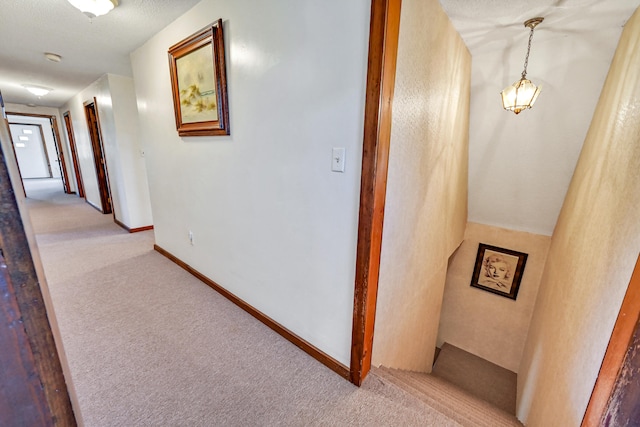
(199, 83)
(498, 270)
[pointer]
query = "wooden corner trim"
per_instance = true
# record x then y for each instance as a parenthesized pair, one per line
(132, 230)
(381, 70)
(63, 162)
(308, 348)
(616, 350)
(139, 229)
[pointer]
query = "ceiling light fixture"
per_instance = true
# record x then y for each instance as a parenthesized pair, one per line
(53, 57)
(94, 8)
(522, 94)
(37, 90)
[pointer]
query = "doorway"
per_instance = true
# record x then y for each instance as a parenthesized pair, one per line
(31, 151)
(51, 142)
(74, 153)
(102, 175)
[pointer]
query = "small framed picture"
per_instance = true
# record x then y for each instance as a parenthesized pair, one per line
(498, 270)
(199, 83)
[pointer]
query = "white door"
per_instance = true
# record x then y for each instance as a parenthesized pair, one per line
(30, 151)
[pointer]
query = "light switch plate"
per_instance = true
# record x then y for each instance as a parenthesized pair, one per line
(337, 159)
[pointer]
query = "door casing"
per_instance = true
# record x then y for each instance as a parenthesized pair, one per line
(58, 143)
(95, 135)
(68, 124)
(45, 152)
(381, 74)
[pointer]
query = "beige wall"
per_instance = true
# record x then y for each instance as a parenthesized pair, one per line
(426, 205)
(488, 325)
(593, 251)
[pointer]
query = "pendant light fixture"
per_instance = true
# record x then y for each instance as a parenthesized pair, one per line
(522, 94)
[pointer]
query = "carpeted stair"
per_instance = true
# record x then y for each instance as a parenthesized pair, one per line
(477, 376)
(448, 399)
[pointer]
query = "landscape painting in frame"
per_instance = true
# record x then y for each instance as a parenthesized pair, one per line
(197, 86)
(498, 270)
(199, 83)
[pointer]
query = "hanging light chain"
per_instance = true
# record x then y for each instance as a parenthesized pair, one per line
(522, 94)
(526, 59)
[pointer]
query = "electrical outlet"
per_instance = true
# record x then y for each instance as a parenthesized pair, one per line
(191, 237)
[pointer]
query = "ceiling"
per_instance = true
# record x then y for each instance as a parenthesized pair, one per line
(89, 49)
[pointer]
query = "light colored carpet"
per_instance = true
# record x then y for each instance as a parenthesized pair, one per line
(150, 345)
(477, 376)
(464, 408)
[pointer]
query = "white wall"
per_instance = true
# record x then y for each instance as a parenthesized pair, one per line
(488, 325)
(272, 223)
(117, 114)
(132, 177)
(593, 251)
(426, 204)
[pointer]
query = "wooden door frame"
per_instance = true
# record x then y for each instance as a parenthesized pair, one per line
(99, 159)
(616, 350)
(53, 121)
(68, 125)
(44, 146)
(381, 71)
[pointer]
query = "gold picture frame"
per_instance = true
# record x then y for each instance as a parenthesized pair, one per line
(199, 83)
(498, 270)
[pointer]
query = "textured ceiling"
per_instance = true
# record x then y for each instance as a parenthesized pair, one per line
(89, 49)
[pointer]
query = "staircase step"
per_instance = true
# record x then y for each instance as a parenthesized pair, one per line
(477, 376)
(448, 399)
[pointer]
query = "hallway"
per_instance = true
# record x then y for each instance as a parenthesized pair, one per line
(149, 345)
